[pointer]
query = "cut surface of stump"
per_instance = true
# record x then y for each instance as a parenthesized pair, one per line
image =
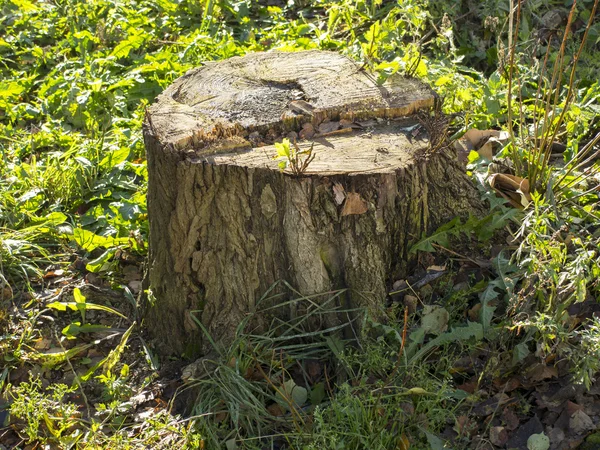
(226, 223)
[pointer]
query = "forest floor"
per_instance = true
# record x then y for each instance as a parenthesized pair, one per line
(493, 341)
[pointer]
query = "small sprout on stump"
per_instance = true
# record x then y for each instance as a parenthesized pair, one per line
(293, 156)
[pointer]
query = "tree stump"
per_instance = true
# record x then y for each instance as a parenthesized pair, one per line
(226, 223)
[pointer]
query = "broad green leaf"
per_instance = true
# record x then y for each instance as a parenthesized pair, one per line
(293, 393)
(90, 241)
(102, 262)
(73, 329)
(127, 46)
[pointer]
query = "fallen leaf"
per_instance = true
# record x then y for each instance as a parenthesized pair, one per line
(572, 408)
(581, 423)
(42, 344)
(512, 188)
(485, 142)
(54, 273)
(491, 405)
(435, 319)
(510, 419)
(538, 442)
(522, 434)
(498, 436)
(328, 127)
(473, 313)
(297, 395)
(307, 131)
(339, 194)
(314, 369)
(470, 386)
(354, 204)
(556, 436)
(541, 372)
(505, 385)
(465, 427)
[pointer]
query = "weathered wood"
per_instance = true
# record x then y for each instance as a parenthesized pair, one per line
(226, 223)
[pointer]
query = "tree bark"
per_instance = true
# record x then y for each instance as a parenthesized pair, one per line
(226, 223)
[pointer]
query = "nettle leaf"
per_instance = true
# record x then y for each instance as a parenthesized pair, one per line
(486, 313)
(520, 352)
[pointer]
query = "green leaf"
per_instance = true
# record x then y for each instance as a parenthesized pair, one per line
(440, 237)
(80, 301)
(102, 262)
(317, 394)
(76, 328)
(283, 149)
(73, 306)
(127, 46)
(435, 443)
(90, 241)
(486, 313)
(458, 334)
(112, 358)
(293, 393)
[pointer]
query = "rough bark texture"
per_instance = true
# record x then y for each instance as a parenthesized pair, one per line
(225, 223)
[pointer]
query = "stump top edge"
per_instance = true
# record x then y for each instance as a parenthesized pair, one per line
(273, 93)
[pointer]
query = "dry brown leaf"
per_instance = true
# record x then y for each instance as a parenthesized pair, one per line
(498, 436)
(328, 127)
(581, 423)
(42, 344)
(354, 204)
(307, 131)
(477, 138)
(473, 313)
(512, 188)
(339, 194)
(541, 372)
(510, 419)
(469, 387)
(485, 142)
(314, 369)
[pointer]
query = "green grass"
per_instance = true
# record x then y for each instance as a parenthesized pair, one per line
(75, 79)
